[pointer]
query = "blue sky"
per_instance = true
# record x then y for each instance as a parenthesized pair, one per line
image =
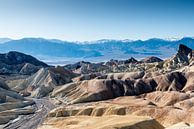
(81, 20)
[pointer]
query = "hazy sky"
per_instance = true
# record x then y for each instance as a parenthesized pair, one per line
(96, 19)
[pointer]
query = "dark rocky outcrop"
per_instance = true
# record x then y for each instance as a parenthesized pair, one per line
(18, 63)
(83, 67)
(151, 59)
(130, 60)
(184, 50)
(15, 58)
(76, 65)
(113, 62)
(184, 54)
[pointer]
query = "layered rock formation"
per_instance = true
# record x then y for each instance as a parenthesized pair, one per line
(161, 90)
(168, 108)
(44, 81)
(150, 94)
(104, 122)
(122, 84)
(12, 104)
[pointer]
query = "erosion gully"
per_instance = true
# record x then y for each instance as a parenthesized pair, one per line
(31, 121)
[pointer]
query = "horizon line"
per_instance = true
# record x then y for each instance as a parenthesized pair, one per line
(90, 41)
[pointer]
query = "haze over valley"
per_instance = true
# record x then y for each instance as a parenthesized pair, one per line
(58, 52)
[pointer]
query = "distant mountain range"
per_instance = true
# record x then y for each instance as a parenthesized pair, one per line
(3, 40)
(100, 50)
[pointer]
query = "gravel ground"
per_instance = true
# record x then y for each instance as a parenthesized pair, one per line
(32, 121)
